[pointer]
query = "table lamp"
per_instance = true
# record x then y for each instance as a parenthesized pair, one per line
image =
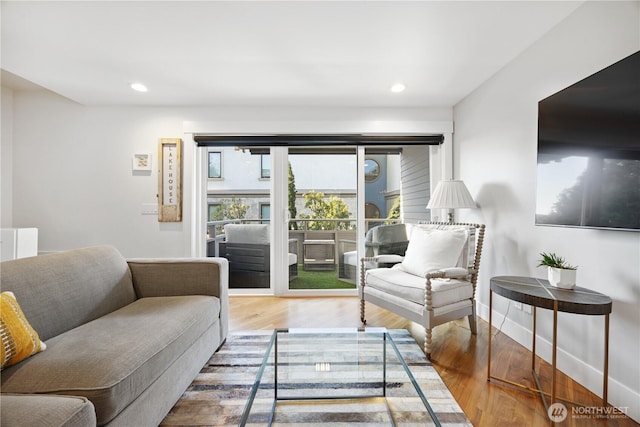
(451, 194)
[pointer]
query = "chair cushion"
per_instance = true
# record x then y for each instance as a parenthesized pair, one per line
(407, 286)
(292, 259)
(257, 234)
(115, 358)
(351, 258)
(431, 249)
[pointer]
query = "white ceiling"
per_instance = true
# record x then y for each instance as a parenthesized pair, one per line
(267, 53)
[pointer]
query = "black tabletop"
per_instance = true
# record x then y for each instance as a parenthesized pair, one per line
(539, 293)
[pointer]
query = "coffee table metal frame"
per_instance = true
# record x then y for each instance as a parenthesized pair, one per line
(386, 339)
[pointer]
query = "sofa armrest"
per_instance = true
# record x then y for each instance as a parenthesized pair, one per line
(154, 277)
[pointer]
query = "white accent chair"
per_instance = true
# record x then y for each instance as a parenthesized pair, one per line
(434, 283)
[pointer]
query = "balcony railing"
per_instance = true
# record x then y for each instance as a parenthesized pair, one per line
(301, 229)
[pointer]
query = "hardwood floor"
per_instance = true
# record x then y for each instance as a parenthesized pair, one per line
(459, 358)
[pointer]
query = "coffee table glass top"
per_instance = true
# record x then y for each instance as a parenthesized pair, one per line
(354, 375)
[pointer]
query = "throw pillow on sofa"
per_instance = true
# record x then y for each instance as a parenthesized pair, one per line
(19, 339)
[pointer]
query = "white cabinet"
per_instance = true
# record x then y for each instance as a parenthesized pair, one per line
(18, 243)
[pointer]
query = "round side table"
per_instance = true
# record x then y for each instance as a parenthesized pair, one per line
(538, 293)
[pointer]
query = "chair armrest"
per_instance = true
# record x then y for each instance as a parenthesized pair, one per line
(450, 273)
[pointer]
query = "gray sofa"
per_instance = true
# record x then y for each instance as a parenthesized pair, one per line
(124, 338)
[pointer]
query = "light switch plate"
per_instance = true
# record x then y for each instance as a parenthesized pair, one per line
(149, 209)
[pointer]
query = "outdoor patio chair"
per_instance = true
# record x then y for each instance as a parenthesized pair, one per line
(434, 283)
(379, 240)
(247, 248)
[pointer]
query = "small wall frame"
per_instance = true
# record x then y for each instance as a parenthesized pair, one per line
(170, 180)
(141, 162)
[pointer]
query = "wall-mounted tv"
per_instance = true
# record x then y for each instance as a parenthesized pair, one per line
(589, 151)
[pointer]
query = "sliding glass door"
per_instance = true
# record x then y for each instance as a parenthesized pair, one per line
(294, 220)
(323, 208)
(239, 216)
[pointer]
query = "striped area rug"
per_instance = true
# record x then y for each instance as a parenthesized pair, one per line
(218, 395)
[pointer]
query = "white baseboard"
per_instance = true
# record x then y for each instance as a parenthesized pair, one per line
(619, 395)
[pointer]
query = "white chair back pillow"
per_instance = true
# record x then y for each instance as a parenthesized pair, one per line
(432, 249)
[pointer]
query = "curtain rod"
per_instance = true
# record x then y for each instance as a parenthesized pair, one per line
(306, 140)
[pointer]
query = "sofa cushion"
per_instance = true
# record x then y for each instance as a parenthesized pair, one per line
(113, 359)
(409, 287)
(19, 339)
(61, 291)
(46, 410)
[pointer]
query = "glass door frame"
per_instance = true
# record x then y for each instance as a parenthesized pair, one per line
(279, 220)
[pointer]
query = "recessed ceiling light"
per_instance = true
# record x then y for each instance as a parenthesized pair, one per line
(138, 87)
(398, 87)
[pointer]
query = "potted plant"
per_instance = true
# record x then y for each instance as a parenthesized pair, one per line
(560, 273)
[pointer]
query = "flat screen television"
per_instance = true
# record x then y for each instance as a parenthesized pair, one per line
(588, 169)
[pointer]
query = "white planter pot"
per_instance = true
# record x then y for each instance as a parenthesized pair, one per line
(561, 277)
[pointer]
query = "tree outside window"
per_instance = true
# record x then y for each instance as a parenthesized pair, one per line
(212, 207)
(322, 207)
(232, 208)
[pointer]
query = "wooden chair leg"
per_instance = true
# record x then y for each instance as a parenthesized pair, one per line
(362, 308)
(427, 343)
(472, 321)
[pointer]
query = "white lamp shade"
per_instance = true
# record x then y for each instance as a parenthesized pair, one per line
(452, 194)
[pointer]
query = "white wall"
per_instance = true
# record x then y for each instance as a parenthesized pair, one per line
(495, 154)
(6, 156)
(72, 176)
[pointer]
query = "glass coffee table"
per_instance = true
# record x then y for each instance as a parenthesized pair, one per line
(347, 376)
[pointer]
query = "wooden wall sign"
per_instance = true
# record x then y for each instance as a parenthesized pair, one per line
(170, 180)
